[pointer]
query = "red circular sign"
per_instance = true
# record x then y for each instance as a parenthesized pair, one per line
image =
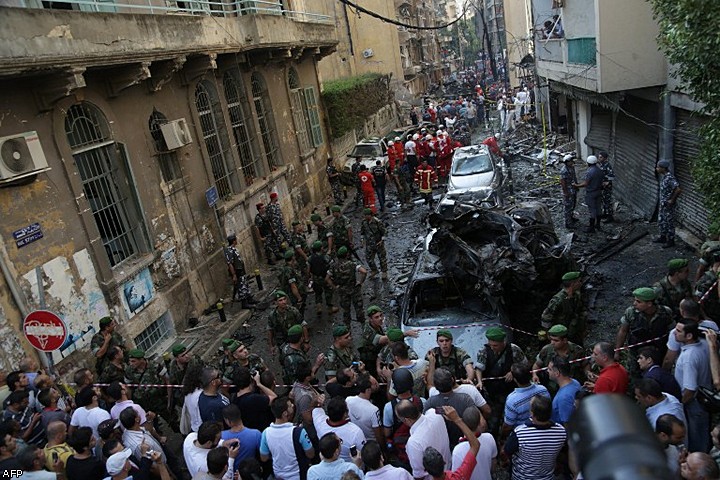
(44, 330)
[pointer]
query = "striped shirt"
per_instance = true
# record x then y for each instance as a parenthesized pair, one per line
(534, 450)
(517, 405)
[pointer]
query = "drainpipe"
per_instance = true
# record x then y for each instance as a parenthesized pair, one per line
(666, 136)
(19, 298)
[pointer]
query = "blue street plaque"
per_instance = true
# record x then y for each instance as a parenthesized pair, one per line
(211, 194)
(27, 235)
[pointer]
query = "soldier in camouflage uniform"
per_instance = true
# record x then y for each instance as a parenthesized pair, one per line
(267, 234)
(669, 191)
(236, 269)
(334, 179)
(373, 234)
(675, 286)
(566, 308)
(319, 264)
(341, 234)
(141, 372)
(300, 245)
(568, 179)
(182, 361)
(276, 219)
(295, 353)
(227, 357)
(342, 277)
(607, 211)
(385, 356)
(102, 341)
(560, 345)
(451, 357)
(290, 280)
(374, 338)
(643, 321)
(243, 358)
(323, 232)
(706, 290)
(115, 367)
(280, 320)
(355, 170)
(706, 253)
(340, 354)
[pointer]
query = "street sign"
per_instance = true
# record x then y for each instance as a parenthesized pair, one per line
(211, 194)
(27, 235)
(44, 330)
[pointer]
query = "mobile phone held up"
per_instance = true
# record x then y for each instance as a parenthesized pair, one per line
(353, 450)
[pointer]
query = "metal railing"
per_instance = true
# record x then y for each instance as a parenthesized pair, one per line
(220, 8)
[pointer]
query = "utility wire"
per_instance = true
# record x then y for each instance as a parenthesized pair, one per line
(401, 24)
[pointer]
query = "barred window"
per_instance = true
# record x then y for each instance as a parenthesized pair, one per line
(215, 138)
(153, 335)
(263, 109)
(242, 126)
(107, 184)
(168, 160)
(300, 117)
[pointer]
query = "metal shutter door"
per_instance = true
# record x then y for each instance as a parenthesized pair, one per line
(691, 212)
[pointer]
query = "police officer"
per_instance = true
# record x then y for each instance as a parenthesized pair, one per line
(451, 357)
(593, 184)
(267, 233)
(675, 286)
(644, 320)
(280, 320)
(568, 179)
(609, 177)
(276, 218)
(373, 235)
(343, 277)
(669, 191)
(291, 281)
(334, 180)
(340, 355)
(103, 341)
(379, 173)
(319, 264)
(236, 269)
(567, 308)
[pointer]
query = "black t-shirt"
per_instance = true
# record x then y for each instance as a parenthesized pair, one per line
(88, 469)
(255, 410)
(7, 465)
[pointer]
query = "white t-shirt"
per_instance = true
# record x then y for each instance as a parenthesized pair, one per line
(349, 433)
(120, 406)
(82, 417)
(196, 457)
(364, 414)
(428, 431)
(488, 451)
(468, 389)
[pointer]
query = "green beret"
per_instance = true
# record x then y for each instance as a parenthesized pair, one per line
(496, 334)
(179, 348)
(317, 245)
(558, 331)
(335, 208)
(280, 294)
(105, 321)
(315, 217)
(367, 211)
(571, 276)
(373, 309)
(645, 294)
(295, 330)
(233, 346)
(226, 342)
(340, 330)
(342, 251)
(136, 353)
(295, 223)
(289, 255)
(444, 333)
(395, 334)
(677, 263)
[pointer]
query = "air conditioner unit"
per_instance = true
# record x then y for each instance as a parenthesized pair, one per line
(21, 156)
(176, 134)
(367, 53)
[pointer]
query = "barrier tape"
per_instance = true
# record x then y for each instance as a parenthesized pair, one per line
(709, 291)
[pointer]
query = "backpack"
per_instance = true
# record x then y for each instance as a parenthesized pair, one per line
(401, 432)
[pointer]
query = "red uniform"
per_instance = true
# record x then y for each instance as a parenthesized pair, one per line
(492, 144)
(425, 177)
(396, 152)
(422, 149)
(367, 188)
(444, 155)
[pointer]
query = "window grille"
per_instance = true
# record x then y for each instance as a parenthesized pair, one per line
(153, 335)
(168, 160)
(263, 109)
(242, 126)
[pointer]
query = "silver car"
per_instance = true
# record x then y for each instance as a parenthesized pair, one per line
(476, 178)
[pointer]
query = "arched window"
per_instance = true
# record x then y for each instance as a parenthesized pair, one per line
(215, 137)
(169, 164)
(107, 184)
(263, 109)
(242, 125)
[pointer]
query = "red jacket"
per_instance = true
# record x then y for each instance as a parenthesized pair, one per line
(366, 180)
(396, 153)
(425, 177)
(492, 144)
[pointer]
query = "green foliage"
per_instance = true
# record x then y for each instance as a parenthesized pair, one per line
(350, 101)
(690, 39)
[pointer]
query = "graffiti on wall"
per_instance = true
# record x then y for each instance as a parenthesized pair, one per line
(137, 292)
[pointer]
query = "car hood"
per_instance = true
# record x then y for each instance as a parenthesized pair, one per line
(470, 338)
(369, 162)
(478, 180)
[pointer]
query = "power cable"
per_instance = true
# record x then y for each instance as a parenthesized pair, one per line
(401, 24)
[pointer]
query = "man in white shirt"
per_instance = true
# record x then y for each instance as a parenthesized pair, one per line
(118, 392)
(373, 459)
(88, 413)
(337, 421)
(486, 457)
(197, 446)
(426, 430)
(362, 412)
(277, 441)
(656, 402)
(134, 435)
